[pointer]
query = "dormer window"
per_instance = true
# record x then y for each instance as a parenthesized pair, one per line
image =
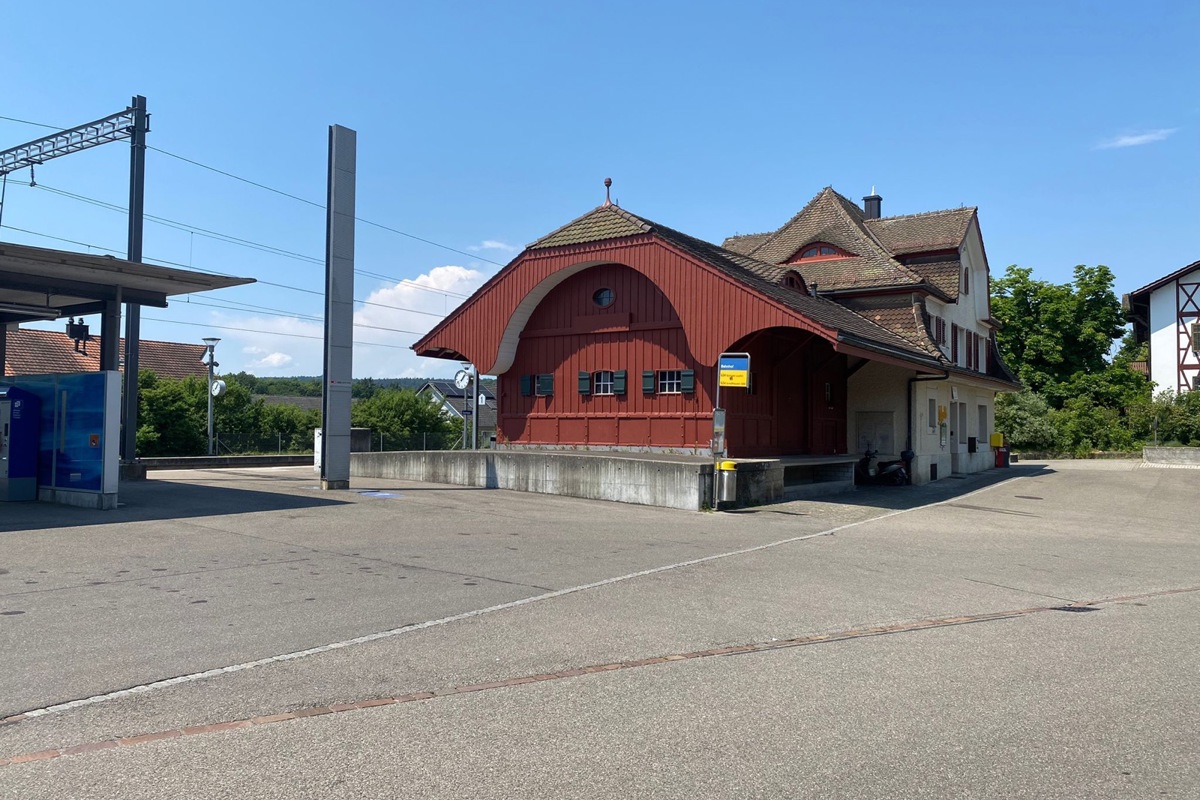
(793, 280)
(819, 251)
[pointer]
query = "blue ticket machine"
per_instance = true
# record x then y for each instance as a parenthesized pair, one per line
(20, 420)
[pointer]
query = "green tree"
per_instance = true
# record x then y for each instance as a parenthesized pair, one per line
(1024, 417)
(237, 419)
(172, 416)
(1053, 334)
(408, 421)
(289, 428)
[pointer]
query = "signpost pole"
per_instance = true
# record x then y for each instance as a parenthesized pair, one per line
(733, 369)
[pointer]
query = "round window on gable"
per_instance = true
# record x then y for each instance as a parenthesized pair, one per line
(603, 297)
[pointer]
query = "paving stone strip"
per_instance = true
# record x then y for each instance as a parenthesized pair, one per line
(754, 647)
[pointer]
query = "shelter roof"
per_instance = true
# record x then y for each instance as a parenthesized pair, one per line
(37, 283)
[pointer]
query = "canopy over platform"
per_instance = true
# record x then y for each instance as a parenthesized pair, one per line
(41, 284)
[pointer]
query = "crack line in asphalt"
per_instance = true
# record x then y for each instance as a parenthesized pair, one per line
(152, 577)
(1023, 591)
(374, 637)
(370, 558)
(845, 635)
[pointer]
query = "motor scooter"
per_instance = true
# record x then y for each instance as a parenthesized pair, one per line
(890, 473)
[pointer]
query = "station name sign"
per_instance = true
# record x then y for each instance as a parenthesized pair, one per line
(733, 369)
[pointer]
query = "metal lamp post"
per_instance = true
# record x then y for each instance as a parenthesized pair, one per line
(211, 342)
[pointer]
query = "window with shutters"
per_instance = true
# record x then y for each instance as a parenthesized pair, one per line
(602, 382)
(545, 385)
(670, 381)
(954, 344)
(937, 329)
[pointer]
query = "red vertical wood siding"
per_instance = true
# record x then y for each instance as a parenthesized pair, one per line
(669, 312)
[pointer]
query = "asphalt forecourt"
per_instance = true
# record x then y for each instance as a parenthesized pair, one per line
(954, 630)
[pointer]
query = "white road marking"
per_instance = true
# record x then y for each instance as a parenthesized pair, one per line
(433, 623)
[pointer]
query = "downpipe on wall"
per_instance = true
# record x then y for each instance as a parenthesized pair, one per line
(908, 443)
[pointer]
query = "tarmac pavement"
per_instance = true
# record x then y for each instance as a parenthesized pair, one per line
(894, 643)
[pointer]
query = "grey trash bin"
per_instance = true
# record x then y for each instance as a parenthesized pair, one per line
(726, 481)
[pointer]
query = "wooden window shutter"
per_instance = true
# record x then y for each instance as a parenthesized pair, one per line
(526, 385)
(954, 342)
(687, 381)
(585, 383)
(545, 385)
(619, 382)
(648, 382)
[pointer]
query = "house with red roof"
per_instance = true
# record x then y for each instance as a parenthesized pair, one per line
(37, 352)
(863, 332)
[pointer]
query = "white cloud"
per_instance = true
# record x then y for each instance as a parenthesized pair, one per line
(395, 316)
(271, 361)
(492, 244)
(1137, 139)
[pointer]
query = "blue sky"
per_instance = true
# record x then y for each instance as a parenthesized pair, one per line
(1073, 126)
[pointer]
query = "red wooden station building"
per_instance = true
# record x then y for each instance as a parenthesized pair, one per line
(605, 335)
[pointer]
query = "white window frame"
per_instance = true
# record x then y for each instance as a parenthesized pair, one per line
(602, 382)
(670, 381)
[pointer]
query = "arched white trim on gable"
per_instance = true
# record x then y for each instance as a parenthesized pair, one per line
(507, 352)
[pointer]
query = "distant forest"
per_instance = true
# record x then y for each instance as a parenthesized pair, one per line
(310, 385)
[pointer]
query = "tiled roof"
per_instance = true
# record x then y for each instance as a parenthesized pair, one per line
(599, 224)
(764, 278)
(922, 233)
(829, 217)
(37, 352)
(758, 261)
(941, 275)
(746, 243)
(900, 315)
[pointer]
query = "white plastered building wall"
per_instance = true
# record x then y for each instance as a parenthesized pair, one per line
(1168, 337)
(951, 417)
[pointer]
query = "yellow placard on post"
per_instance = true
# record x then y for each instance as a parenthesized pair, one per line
(997, 440)
(733, 369)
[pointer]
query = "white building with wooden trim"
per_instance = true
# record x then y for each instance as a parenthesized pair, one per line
(1166, 313)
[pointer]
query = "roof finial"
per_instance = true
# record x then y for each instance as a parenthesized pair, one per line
(608, 191)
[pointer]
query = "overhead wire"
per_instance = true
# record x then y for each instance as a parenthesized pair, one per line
(306, 201)
(235, 240)
(251, 306)
(267, 333)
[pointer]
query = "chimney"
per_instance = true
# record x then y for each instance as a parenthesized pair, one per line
(871, 205)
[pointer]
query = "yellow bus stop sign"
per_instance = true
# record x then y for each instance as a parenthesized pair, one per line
(733, 369)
